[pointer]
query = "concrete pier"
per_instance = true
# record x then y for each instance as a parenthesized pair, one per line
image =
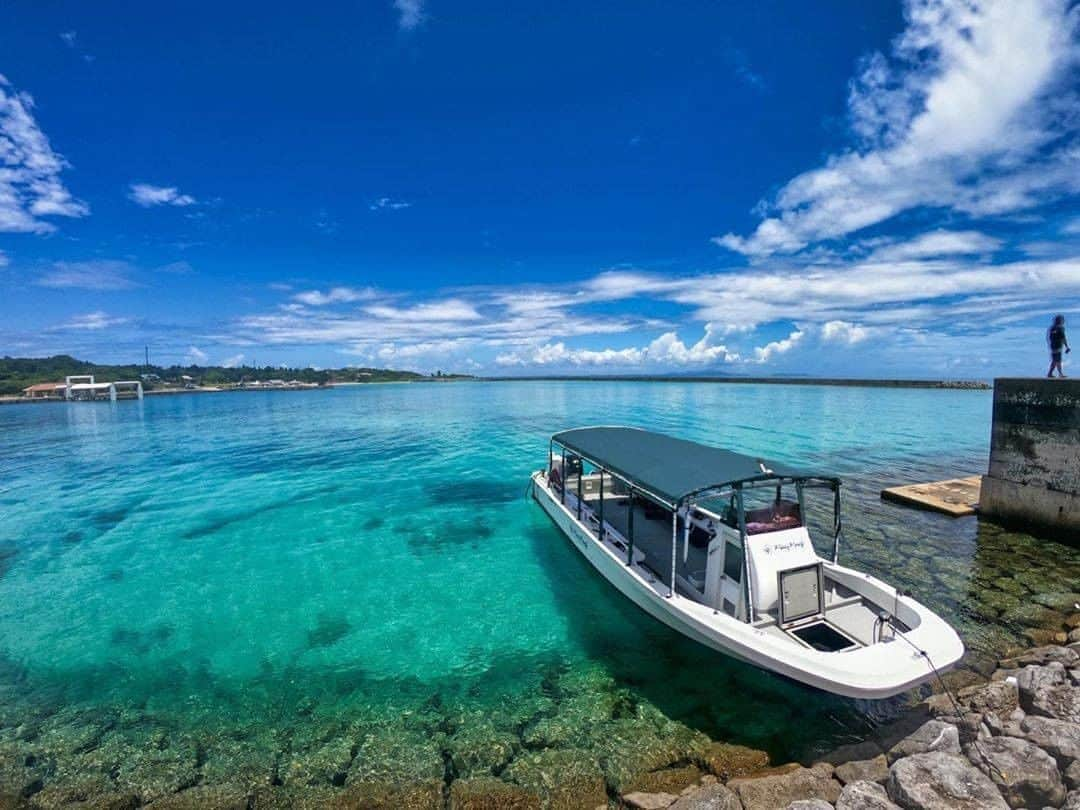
(1034, 475)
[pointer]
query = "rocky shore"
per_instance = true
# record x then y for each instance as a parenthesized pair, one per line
(1011, 741)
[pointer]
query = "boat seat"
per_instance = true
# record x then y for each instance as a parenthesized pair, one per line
(772, 553)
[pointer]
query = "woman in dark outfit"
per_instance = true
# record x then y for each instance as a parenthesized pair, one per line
(1055, 336)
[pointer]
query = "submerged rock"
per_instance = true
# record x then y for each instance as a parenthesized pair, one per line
(491, 794)
(567, 778)
(204, 797)
(776, 792)
(669, 780)
(728, 761)
(424, 795)
(941, 781)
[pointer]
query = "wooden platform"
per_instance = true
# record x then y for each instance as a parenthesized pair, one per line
(956, 497)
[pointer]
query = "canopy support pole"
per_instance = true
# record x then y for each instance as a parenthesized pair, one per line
(580, 475)
(562, 487)
(749, 589)
(674, 546)
(630, 530)
(837, 524)
(600, 529)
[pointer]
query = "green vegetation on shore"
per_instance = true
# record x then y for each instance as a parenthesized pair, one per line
(17, 373)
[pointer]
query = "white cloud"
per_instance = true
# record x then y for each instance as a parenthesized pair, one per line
(93, 321)
(451, 309)
(196, 356)
(938, 243)
(148, 196)
(389, 204)
(68, 38)
(335, 295)
(844, 332)
(763, 354)
(410, 13)
(30, 186)
(969, 115)
(98, 274)
(233, 362)
(666, 350)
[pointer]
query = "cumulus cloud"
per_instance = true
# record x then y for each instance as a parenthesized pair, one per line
(969, 114)
(844, 332)
(666, 350)
(149, 196)
(410, 13)
(196, 356)
(233, 362)
(30, 184)
(98, 274)
(763, 354)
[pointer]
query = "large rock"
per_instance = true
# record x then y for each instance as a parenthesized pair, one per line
(1058, 738)
(776, 792)
(809, 804)
(1034, 679)
(940, 781)
(864, 770)
(933, 735)
(1072, 801)
(1061, 702)
(1072, 776)
(649, 801)
(997, 697)
(710, 797)
(864, 796)
(1026, 775)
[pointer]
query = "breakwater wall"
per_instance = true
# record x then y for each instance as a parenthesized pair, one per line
(1033, 478)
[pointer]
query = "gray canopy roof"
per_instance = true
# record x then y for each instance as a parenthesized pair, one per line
(668, 467)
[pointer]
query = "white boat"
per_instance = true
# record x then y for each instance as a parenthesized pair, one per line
(712, 543)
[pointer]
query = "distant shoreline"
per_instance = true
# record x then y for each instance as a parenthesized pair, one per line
(961, 385)
(947, 385)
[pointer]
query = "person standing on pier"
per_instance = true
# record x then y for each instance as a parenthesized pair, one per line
(1055, 336)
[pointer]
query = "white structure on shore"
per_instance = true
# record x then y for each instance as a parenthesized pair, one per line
(91, 390)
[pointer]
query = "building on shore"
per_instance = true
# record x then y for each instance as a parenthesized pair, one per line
(45, 391)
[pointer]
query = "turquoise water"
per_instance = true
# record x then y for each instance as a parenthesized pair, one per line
(269, 570)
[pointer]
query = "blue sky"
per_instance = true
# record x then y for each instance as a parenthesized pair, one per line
(838, 188)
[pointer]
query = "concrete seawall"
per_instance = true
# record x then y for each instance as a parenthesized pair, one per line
(1034, 474)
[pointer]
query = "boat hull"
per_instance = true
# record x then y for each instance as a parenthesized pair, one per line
(873, 677)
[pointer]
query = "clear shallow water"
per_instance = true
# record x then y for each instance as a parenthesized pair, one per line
(276, 570)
